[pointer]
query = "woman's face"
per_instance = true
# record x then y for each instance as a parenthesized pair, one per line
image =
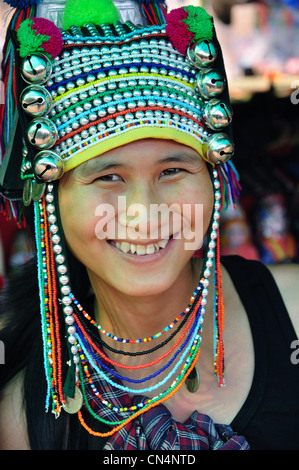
(135, 214)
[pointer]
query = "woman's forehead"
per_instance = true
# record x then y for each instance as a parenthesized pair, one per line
(143, 151)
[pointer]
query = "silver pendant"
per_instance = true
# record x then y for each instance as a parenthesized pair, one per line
(192, 381)
(27, 192)
(38, 190)
(73, 405)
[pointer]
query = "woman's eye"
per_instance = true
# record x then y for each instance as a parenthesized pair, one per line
(109, 178)
(171, 171)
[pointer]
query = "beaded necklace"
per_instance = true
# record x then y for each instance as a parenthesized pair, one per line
(141, 340)
(85, 348)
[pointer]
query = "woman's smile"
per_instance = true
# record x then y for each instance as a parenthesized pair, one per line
(145, 252)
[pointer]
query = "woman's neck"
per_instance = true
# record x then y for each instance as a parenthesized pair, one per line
(134, 317)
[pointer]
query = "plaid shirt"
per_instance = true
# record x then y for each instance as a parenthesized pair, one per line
(156, 429)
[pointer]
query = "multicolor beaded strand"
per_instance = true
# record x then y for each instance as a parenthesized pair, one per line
(85, 352)
(49, 311)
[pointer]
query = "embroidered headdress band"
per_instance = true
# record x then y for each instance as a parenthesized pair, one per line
(94, 86)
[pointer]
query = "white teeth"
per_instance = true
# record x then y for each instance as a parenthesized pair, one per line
(140, 250)
(126, 247)
(150, 249)
(163, 243)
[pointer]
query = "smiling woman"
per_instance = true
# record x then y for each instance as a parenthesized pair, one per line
(119, 159)
(144, 180)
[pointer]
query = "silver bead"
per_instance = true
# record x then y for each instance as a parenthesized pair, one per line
(62, 269)
(48, 166)
(68, 310)
(84, 134)
(53, 228)
(76, 359)
(42, 133)
(72, 339)
(66, 300)
(36, 68)
(217, 195)
(50, 208)
(207, 272)
(57, 249)
(205, 292)
(220, 149)
(65, 290)
(71, 330)
(129, 116)
(64, 279)
(60, 259)
(50, 198)
(69, 320)
(212, 245)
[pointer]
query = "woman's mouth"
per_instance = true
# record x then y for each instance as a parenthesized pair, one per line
(138, 249)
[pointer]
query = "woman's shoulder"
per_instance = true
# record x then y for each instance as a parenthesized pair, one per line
(13, 429)
(286, 277)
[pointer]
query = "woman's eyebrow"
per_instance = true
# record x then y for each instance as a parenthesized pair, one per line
(181, 158)
(90, 166)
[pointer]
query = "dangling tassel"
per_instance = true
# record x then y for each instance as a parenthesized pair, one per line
(24, 9)
(218, 318)
(230, 185)
(154, 11)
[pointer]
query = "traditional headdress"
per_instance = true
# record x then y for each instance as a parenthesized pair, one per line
(75, 92)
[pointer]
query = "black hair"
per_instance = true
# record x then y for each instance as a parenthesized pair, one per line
(21, 334)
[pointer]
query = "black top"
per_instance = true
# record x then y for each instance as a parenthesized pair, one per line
(269, 418)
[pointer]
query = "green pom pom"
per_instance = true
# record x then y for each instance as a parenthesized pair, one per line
(28, 39)
(81, 12)
(199, 22)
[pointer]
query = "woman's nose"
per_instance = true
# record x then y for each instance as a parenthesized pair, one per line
(137, 212)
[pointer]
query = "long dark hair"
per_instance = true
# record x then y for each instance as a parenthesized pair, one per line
(20, 331)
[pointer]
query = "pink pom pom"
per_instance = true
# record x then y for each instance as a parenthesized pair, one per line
(177, 30)
(52, 46)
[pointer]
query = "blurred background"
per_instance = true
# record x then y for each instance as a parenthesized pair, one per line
(260, 42)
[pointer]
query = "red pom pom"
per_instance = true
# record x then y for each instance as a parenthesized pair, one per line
(177, 30)
(52, 46)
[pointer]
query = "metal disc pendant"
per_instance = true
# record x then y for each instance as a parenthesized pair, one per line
(192, 381)
(27, 192)
(73, 405)
(38, 190)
